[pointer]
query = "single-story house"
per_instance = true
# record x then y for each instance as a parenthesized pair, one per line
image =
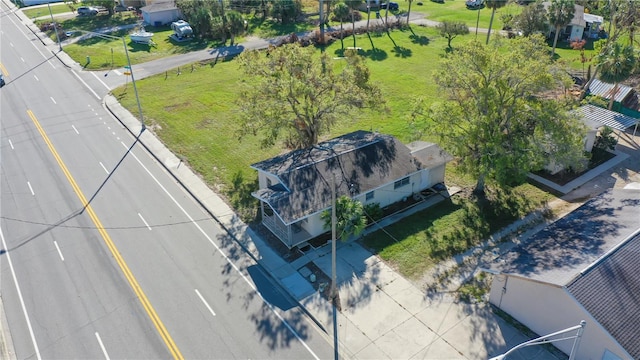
(160, 12)
(595, 118)
(295, 188)
(583, 25)
(582, 267)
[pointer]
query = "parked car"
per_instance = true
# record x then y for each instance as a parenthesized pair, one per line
(474, 4)
(87, 11)
(392, 6)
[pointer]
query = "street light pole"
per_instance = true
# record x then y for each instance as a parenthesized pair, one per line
(55, 29)
(129, 67)
(135, 89)
(334, 290)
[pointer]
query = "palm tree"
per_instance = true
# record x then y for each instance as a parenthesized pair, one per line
(615, 63)
(493, 5)
(409, 12)
(341, 12)
(353, 7)
(559, 14)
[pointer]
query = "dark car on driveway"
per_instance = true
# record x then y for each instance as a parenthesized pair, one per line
(392, 6)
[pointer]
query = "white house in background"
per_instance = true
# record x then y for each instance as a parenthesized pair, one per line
(295, 188)
(582, 25)
(160, 12)
(582, 267)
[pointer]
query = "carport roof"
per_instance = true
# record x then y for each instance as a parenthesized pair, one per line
(563, 250)
(596, 117)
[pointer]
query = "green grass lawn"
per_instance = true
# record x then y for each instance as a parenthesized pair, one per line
(101, 50)
(44, 11)
(455, 10)
(194, 114)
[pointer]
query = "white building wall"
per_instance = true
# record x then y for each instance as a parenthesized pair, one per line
(546, 308)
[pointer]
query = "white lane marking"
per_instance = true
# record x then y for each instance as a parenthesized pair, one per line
(58, 248)
(10, 43)
(24, 308)
(100, 80)
(85, 84)
(21, 58)
(205, 303)
(103, 167)
(11, 144)
(30, 188)
(36, 78)
(104, 350)
(144, 221)
(76, 130)
(33, 43)
(271, 307)
(117, 72)
(52, 99)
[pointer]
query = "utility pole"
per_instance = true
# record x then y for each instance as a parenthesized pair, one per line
(55, 28)
(321, 24)
(334, 291)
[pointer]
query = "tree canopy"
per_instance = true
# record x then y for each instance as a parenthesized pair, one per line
(495, 121)
(532, 19)
(293, 93)
(615, 63)
(450, 29)
(350, 218)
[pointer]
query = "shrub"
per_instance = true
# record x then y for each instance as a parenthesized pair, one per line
(373, 212)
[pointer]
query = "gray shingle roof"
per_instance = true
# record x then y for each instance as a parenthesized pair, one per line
(159, 5)
(610, 291)
(596, 117)
(558, 253)
(360, 161)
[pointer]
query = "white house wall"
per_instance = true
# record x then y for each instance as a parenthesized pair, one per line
(162, 17)
(545, 309)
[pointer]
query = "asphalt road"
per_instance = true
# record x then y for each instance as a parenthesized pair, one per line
(103, 254)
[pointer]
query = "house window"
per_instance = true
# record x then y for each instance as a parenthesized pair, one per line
(370, 195)
(269, 182)
(268, 211)
(400, 183)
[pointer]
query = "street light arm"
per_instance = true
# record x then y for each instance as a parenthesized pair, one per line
(133, 80)
(546, 340)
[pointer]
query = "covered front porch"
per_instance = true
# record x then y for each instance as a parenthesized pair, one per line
(291, 234)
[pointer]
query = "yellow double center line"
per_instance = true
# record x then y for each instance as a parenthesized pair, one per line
(114, 251)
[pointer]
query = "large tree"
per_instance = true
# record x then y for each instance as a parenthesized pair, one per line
(493, 5)
(559, 14)
(532, 19)
(451, 29)
(295, 93)
(494, 120)
(615, 63)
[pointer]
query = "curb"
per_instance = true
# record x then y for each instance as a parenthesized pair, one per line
(280, 287)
